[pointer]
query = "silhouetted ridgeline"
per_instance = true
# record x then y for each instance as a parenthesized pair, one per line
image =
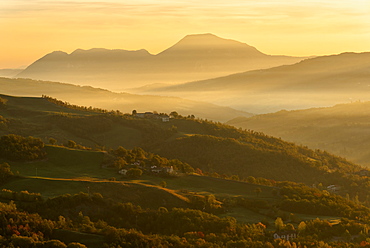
(194, 57)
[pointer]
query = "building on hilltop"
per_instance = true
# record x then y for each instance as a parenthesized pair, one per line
(151, 115)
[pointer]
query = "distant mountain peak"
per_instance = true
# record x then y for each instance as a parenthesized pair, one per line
(58, 53)
(207, 39)
(205, 35)
(209, 42)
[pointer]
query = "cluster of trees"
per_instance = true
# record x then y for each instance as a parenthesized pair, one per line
(127, 225)
(18, 148)
(21, 229)
(299, 198)
(77, 107)
(20, 196)
(137, 158)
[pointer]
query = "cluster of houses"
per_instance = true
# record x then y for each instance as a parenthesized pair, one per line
(151, 115)
(152, 169)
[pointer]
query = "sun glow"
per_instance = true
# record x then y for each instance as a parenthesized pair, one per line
(33, 28)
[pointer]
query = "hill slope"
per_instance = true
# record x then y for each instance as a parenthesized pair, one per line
(316, 82)
(212, 147)
(89, 96)
(192, 58)
(343, 129)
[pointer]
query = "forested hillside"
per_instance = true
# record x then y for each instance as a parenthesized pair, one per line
(211, 147)
(105, 216)
(97, 178)
(342, 129)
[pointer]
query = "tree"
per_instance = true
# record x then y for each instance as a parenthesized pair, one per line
(121, 152)
(156, 160)
(5, 172)
(134, 173)
(234, 177)
(279, 224)
(301, 227)
(71, 144)
(76, 245)
(289, 227)
(134, 112)
(251, 179)
(163, 184)
(52, 141)
(119, 163)
(174, 114)
(139, 153)
(54, 243)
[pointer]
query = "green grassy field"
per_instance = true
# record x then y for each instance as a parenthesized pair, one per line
(63, 162)
(209, 185)
(70, 171)
(147, 196)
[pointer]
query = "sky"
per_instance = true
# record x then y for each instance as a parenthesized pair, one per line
(30, 29)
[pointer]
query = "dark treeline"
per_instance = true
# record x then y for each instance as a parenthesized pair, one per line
(298, 198)
(77, 107)
(127, 225)
(302, 199)
(18, 148)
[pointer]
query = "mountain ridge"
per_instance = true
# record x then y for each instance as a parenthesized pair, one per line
(342, 129)
(194, 57)
(315, 82)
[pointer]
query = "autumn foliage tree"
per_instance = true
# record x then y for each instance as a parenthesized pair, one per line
(18, 148)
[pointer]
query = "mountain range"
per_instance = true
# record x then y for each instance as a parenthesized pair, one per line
(314, 82)
(194, 57)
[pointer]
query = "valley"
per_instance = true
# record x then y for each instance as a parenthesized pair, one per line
(201, 142)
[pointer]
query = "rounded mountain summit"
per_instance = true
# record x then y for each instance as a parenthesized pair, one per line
(195, 57)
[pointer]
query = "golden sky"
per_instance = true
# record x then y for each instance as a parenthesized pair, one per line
(29, 29)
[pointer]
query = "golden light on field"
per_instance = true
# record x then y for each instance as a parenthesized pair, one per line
(32, 28)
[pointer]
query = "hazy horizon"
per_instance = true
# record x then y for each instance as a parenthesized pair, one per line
(35, 28)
